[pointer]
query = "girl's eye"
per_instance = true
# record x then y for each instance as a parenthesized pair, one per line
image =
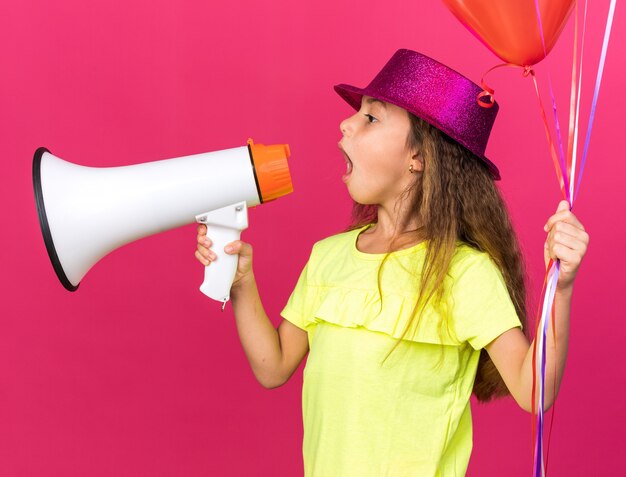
(370, 118)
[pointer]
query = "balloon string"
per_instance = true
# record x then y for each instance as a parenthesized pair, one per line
(553, 383)
(541, 368)
(562, 175)
(534, 355)
(556, 116)
(577, 122)
(539, 469)
(528, 71)
(535, 414)
(605, 44)
(572, 103)
(559, 171)
(487, 91)
(571, 167)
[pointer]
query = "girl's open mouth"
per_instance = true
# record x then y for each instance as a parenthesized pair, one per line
(348, 167)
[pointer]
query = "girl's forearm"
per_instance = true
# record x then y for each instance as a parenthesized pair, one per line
(556, 351)
(259, 338)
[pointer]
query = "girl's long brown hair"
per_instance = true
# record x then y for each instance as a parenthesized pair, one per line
(455, 198)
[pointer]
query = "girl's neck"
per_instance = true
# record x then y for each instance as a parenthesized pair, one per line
(389, 227)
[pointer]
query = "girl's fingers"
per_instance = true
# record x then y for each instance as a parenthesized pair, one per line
(564, 254)
(563, 228)
(206, 252)
(563, 216)
(203, 253)
(567, 243)
(567, 240)
(233, 247)
(204, 240)
(239, 247)
(202, 259)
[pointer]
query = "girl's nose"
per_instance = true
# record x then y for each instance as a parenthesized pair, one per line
(344, 126)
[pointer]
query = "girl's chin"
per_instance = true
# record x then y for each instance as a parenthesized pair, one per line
(359, 198)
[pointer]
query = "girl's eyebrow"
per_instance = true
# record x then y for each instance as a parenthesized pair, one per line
(374, 100)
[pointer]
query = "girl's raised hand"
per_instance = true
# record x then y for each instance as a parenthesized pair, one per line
(206, 256)
(567, 241)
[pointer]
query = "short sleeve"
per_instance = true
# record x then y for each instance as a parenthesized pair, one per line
(298, 307)
(482, 307)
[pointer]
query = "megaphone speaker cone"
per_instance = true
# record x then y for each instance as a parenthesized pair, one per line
(43, 221)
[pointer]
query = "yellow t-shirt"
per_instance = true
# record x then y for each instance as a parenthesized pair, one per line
(404, 417)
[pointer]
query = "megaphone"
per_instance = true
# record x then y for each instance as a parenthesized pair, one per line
(86, 212)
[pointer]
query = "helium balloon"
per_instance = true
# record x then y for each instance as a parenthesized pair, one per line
(510, 28)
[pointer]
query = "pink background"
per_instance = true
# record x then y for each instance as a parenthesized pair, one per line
(138, 373)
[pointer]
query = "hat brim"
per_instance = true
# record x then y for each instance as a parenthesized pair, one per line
(353, 95)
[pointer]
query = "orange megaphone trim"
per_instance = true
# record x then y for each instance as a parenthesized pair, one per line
(271, 169)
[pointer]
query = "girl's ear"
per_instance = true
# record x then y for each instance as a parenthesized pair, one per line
(418, 161)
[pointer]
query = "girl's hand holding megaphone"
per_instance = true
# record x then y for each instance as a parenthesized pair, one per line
(244, 265)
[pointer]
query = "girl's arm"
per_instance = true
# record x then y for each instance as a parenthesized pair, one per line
(273, 354)
(511, 352)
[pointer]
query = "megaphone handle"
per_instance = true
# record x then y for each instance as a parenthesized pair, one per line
(219, 275)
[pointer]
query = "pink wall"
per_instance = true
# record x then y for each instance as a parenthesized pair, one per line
(138, 373)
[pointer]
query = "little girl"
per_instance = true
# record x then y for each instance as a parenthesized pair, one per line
(422, 301)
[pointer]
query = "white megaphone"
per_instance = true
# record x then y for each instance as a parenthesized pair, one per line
(86, 212)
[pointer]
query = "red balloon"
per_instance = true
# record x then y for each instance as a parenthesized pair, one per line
(510, 28)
